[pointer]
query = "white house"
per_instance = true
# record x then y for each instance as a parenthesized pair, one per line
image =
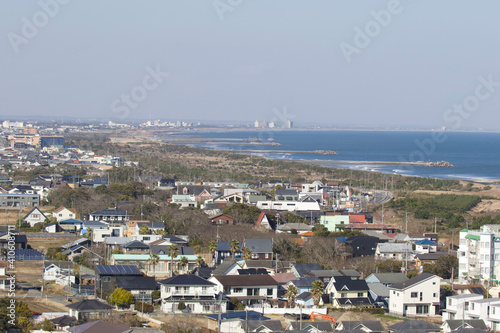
(34, 216)
(4, 278)
(472, 307)
(198, 295)
(396, 251)
(290, 206)
(415, 297)
(63, 213)
(52, 269)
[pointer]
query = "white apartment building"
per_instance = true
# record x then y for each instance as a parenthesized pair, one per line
(479, 254)
(473, 306)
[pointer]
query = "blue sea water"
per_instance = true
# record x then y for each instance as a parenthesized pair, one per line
(474, 155)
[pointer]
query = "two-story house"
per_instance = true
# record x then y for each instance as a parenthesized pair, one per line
(198, 295)
(250, 289)
(34, 216)
(418, 296)
(52, 269)
(262, 248)
(346, 291)
(63, 213)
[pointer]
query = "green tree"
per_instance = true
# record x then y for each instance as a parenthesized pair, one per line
(173, 252)
(320, 231)
(212, 247)
(291, 293)
(246, 253)
(144, 230)
(234, 246)
(47, 325)
(121, 298)
(317, 288)
(445, 265)
(181, 306)
(183, 262)
(389, 266)
(153, 260)
(199, 261)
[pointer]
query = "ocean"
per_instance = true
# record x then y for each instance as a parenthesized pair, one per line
(475, 156)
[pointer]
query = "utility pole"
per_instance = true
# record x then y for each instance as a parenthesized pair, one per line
(406, 221)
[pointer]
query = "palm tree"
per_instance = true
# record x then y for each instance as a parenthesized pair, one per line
(183, 261)
(317, 288)
(173, 252)
(234, 246)
(212, 247)
(246, 253)
(200, 261)
(153, 260)
(291, 292)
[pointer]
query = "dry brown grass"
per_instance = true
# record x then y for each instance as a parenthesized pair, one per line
(40, 305)
(29, 271)
(42, 244)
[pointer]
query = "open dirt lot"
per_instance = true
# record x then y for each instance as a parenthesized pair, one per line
(29, 271)
(42, 244)
(40, 305)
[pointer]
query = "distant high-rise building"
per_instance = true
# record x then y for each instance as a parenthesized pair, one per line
(256, 124)
(289, 124)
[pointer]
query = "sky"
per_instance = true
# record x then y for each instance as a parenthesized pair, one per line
(412, 64)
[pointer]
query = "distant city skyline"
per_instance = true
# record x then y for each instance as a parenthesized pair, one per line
(374, 64)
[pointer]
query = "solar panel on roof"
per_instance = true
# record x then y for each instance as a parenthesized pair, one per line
(477, 290)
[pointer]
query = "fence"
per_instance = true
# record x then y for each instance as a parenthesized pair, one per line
(266, 311)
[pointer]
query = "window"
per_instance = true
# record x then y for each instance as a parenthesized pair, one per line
(106, 278)
(360, 294)
(414, 295)
(343, 295)
(237, 290)
(435, 295)
(422, 309)
(269, 291)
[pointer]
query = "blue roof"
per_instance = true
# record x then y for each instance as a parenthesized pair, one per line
(252, 315)
(342, 239)
(117, 270)
(71, 221)
(425, 242)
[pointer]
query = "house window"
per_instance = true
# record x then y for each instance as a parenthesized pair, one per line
(269, 291)
(343, 295)
(106, 278)
(422, 309)
(237, 290)
(360, 294)
(414, 295)
(435, 295)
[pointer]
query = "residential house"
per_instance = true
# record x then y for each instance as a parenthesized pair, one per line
(334, 221)
(387, 279)
(19, 200)
(413, 326)
(221, 219)
(379, 294)
(425, 246)
(290, 206)
(326, 275)
(223, 252)
(368, 326)
(98, 327)
(110, 215)
(345, 291)
(71, 225)
(250, 289)
(418, 296)
(5, 279)
(262, 248)
(213, 319)
(200, 192)
(52, 228)
(135, 247)
(301, 269)
(74, 251)
(63, 213)
(99, 235)
(429, 259)
(298, 228)
(34, 216)
(79, 241)
(380, 228)
(461, 289)
(198, 295)
(227, 267)
(362, 246)
(139, 286)
(396, 251)
(20, 241)
(106, 277)
(460, 306)
(133, 227)
(51, 269)
(286, 195)
(184, 200)
(89, 309)
(449, 326)
(303, 284)
(263, 222)
(161, 269)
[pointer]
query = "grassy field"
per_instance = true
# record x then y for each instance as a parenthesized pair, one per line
(42, 244)
(29, 271)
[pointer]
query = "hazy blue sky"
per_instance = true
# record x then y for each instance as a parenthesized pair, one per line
(243, 59)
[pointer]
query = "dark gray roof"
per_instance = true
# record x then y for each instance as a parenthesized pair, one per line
(258, 325)
(89, 304)
(414, 325)
(433, 256)
(346, 283)
(303, 296)
(203, 271)
(64, 320)
(224, 267)
(286, 192)
(224, 246)
(323, 326)
(251, 271)
(99, 327)
(111, 211)
(76, 242)
(152, 225)
(304, 282)
(259, 245)
(136, 282)
(186, 280)
(470, 330)
(60, 264)
(117, 270)
(470, 323)
(353, 301)
(371, 325)
(411, 282)
(302, 268)
(135, 244)
(379, 289)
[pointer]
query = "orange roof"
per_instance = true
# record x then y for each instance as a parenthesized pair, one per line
(307, 234)
(62, 207)
(357, 219)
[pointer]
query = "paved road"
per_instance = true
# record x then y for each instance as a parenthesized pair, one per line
(380, 196)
